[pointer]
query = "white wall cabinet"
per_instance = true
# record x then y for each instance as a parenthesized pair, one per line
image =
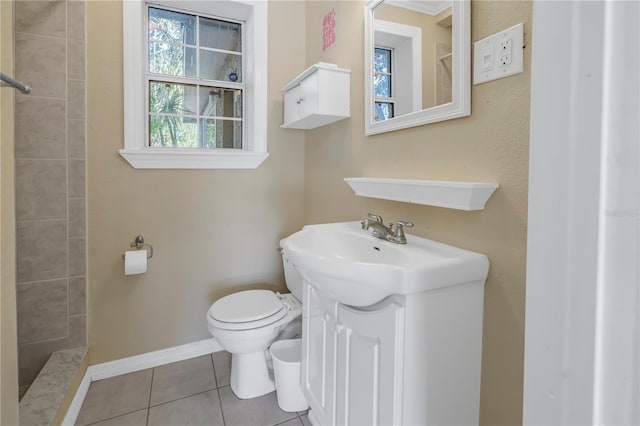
(318, 96)
(406, 360)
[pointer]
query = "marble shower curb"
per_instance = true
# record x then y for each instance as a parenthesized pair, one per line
(49, 396)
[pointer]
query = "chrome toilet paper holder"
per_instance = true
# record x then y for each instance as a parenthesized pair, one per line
(139, 244)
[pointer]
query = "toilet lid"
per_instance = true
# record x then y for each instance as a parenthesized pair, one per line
(247, 309)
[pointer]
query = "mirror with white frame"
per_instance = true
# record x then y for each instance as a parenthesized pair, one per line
(417, 63)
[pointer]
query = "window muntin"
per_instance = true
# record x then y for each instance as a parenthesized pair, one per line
(194, 81)
(383, 84)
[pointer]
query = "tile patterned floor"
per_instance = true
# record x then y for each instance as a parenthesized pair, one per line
(191, 392)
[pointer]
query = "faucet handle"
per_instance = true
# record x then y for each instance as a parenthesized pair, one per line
(399, 234)
(402, 223)
(375, 217)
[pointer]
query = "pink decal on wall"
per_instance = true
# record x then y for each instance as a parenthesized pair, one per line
(329, 29)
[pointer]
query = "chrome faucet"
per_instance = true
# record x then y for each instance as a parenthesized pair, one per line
(386, 233)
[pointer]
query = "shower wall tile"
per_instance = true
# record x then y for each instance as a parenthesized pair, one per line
(41, 189)
(77, 296)
(75, 19)
(77, 331)
(75, 59)
(41, 63)
(76, 139)
(50, 180)
(75, 99)
(41, 17)
(41, 249)
(76, 178)
(33, 356)
(40, 129)
(77, 218)
(42, 311)
(77, 257)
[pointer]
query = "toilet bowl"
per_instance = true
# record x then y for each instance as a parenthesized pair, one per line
(245, 324)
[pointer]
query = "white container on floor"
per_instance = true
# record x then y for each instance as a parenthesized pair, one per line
(287, 358)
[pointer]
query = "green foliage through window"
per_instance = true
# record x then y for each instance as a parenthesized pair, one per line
(194, 81)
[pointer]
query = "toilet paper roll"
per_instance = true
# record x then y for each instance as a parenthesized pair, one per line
(135, 262)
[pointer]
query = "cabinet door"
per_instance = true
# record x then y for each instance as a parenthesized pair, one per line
(369, 366)
(309, 93)
(319, 338)
(291, 104)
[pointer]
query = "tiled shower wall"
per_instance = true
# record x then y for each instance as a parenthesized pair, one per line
(50, 181)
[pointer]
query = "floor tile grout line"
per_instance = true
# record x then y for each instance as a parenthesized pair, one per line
(213, 365)
(288, 420)
(215, 375)
(224, 422)
(153, 372)
(181, 398)
(114, 417)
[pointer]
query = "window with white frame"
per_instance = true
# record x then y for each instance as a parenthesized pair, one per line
(200, 98)
(194, 81)
(397, 69)
(383, 84)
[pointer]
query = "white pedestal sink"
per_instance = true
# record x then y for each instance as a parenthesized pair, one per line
(392, 334)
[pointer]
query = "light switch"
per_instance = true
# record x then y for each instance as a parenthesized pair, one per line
(487, 58)
(499, 55)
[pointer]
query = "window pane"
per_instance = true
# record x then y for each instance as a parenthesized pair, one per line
(220, 35)
(221, 133)
(171, 98)
(220, 66)
(171, 59)
(216, 102)
(382, 85)
(175, 27)
(173, 131)
(168, 103)
(384, 111)
(382, 60)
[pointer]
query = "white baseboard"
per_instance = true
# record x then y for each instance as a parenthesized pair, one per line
(131, 364)
(75, 406)
(153, 359)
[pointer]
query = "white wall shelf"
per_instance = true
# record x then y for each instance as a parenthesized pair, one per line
(452, 195)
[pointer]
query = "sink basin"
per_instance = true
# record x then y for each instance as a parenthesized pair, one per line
(354, 268)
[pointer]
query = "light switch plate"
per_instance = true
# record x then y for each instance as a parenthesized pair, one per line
(499, 55)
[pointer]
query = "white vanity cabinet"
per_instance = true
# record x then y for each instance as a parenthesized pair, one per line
(351, 361)
(318, 96)
(407, 360)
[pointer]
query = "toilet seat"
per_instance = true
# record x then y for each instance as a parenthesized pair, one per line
(247, 310)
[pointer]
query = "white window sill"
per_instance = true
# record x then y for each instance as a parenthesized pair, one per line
(158, 158)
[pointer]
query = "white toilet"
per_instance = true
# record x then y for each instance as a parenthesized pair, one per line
(247, 322)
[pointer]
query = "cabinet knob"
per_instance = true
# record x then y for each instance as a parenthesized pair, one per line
(299, 101)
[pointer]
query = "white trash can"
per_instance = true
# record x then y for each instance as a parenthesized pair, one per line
(287, 358)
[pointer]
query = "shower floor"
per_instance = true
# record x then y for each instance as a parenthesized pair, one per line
(190, 392)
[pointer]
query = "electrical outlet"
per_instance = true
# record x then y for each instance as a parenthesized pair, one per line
(499, 55)
(505, 51)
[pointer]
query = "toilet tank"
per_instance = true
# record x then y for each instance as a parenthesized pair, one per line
(292, 277)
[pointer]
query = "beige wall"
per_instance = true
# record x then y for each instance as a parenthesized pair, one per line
(491, 145)
(213, 231)
(8, 330)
